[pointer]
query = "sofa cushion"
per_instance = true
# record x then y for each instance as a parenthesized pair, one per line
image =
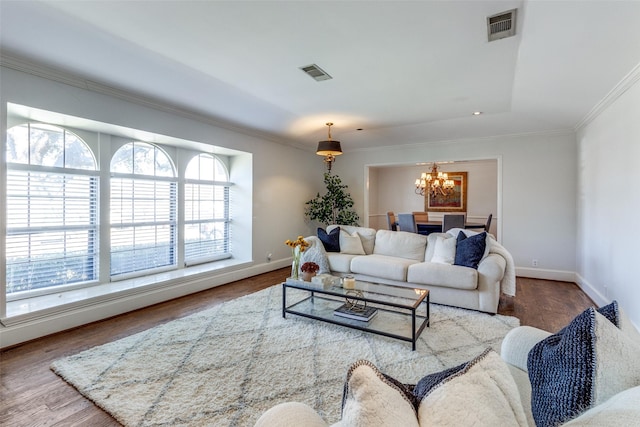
(351, 243)
(291, 414)
(367, 235)
(400, 244)
(583, 365)
(450, 276)
(470, 250)
(445, 250)
(623, 409)
(340, 263)
(372, 399)
(382, 266)
(331, 240)
(477, 393)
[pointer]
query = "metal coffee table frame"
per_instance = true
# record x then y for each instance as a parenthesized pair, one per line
(402, 314)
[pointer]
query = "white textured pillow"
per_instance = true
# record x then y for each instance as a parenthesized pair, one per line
(316, 253)
(445, 250)
(351, 243)
(371, 399)
(482, 393)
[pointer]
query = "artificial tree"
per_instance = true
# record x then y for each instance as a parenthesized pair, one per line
(335, 207)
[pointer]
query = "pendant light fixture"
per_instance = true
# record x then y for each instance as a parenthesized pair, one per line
(435, 183)
(329, 149)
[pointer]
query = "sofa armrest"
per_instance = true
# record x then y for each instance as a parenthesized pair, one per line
(517, 344)
(290, 414)
(491, 268)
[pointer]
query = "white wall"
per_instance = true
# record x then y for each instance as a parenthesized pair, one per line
(608, 201)
(537, 204)
(283, 178)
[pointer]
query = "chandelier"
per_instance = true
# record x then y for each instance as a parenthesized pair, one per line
(435, 183)
(329, 148)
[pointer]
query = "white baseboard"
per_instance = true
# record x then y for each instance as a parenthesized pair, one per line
(591, 291)
(84, 312)
(541, 273)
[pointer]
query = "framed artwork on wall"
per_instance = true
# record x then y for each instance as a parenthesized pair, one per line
(456, 202)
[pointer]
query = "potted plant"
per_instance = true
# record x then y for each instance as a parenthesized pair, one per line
(335, 207)
(309, 269)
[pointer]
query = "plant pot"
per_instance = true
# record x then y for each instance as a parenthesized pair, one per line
(307, 275)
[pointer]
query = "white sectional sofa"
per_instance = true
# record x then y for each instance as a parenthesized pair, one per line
(585, 375)
(407, 259)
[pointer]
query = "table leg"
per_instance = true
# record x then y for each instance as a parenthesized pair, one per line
(284, 300)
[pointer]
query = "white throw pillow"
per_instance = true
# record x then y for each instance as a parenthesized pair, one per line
(373, 400)
(481, 393)
(445, 250)
(351, 243)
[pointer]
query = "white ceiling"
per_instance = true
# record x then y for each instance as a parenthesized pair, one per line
(403, 71)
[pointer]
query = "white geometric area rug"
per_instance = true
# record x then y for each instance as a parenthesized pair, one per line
(228, 364)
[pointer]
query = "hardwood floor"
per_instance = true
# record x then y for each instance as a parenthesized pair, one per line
(32, 395)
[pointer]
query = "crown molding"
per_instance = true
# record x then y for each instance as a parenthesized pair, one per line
(54, 74)
(553, 132)
(624, 85)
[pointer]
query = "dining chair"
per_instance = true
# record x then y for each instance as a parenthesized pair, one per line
(488, 225)
(391, 221)
(450, 221)
(407, 222)
(421, 216)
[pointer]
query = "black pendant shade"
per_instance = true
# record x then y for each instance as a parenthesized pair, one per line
(329, 149)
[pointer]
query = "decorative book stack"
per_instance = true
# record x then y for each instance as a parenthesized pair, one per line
(364, 314)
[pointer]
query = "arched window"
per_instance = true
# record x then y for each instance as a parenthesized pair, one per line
(143, 210)
(52, 210)
(206, 234)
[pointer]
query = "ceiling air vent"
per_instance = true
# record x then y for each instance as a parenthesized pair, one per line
(316, 72)
(501, 25)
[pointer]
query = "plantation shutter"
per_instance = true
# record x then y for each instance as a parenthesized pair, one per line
(52, 229)
(206, 222)
(143, 224)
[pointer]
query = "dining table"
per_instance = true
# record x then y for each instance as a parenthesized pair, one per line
(428, 227)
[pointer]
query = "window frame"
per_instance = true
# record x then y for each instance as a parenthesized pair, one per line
(215, 184)
(143, 221)
(103, 147)
(92, 227)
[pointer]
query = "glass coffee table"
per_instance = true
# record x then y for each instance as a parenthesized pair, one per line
(398, 312)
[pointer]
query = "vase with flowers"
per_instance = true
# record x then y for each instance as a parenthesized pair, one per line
(297, 247)
(309, 269)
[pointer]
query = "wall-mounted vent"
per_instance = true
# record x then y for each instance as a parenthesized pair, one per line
(316, 72)
(501, 25)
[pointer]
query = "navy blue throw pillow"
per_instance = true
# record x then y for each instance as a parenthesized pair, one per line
(562, 366)
(470, 250)
(431, 381)
(330, 241)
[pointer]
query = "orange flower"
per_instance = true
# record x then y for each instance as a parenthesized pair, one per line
(299, 242)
